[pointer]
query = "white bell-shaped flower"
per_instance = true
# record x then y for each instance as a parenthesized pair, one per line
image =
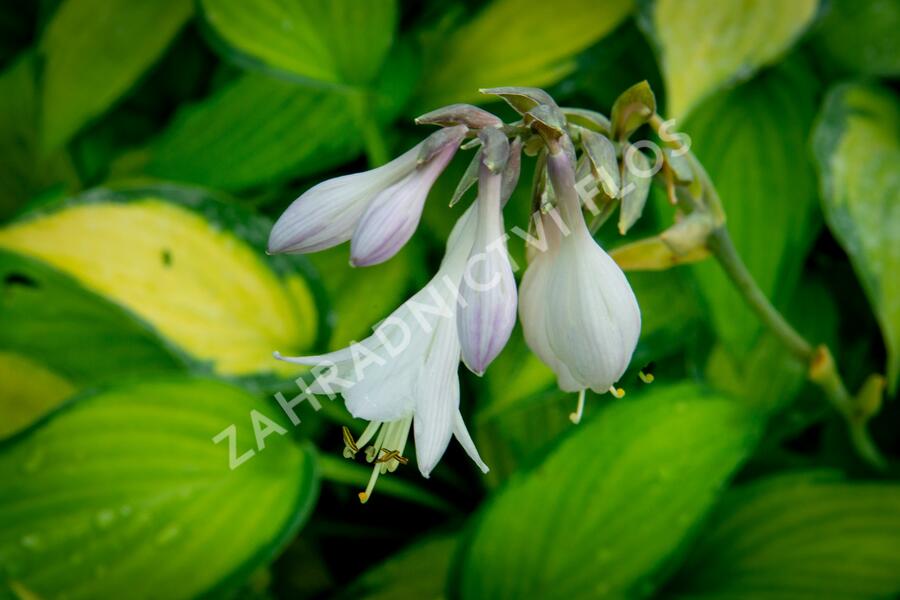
(379, 209)
(578, 312)
(488, 289)
(406, 373)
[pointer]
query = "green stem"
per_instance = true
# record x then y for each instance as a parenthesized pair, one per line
(722, 247)
(822, 369)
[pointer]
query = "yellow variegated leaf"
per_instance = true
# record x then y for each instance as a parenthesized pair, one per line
(199, 285)
(705, 44)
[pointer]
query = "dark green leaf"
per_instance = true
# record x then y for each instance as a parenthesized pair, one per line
(861, 35)
(25, 170)
(94, 51)
(415, 573)
(255, 130)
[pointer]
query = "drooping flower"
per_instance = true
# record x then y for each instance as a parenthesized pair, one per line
(578, 312)
(488, 289)
(378, 209)
(406, 373)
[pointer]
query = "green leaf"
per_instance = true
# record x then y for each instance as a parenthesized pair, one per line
(515, 43)
(46, 314)
(606, 508)
(341, 41)
(29, 391)
(857, 146)
(707, 44)
(24, 170)
(94, 51)
(415, 573)
(753, 142)
(128, 482)
(233, 316)
(256, 130)
(799, 537)
(861, 35)
(360, 298)
(669, 312)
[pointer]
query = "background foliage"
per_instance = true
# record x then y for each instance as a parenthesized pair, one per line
(145, 148)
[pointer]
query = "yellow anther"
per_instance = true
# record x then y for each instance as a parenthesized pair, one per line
(348, 440)
(617, 392)
(392, 455)
(646, 377)
(363, 497)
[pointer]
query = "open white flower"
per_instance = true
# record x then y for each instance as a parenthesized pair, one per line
(406, 373)
(379, 209)
(488, 288)
(578, 312)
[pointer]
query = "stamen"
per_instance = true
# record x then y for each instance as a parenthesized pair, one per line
(617, 392)
(392, 455)
(364, 496)
(350, 446)
(368, 433)
(646, 377)
(575, 417)
(390, 435)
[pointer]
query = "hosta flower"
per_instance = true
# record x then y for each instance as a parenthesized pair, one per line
(488, 288)
(578, 311)
(378, 209)
(405, 374)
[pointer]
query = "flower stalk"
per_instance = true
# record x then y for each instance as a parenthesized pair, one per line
(821, 368)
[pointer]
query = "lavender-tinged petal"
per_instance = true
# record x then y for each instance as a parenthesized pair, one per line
(488, 289)
(326, 214)
(392, 217)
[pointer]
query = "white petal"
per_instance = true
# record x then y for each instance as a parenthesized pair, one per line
(488, 289)
(326, 214)
(438, 398)
(465, 440)
(593, 322)
(392, 217)
(536, 299)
